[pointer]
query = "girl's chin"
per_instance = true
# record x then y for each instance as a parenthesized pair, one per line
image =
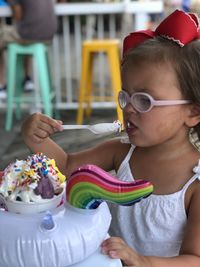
(132, 140)
(136, 141)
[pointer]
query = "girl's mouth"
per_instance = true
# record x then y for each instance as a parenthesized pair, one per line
(130, 127)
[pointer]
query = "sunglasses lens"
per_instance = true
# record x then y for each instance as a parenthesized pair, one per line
(141, 102)
(122, 99)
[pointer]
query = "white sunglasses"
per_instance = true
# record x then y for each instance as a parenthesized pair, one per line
(143, 102)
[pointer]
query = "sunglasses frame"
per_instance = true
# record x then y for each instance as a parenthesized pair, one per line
(152, 101)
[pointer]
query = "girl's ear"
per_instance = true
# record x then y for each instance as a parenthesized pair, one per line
(193, 117)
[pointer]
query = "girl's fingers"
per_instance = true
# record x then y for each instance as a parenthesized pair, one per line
(37, 139)
(124, 254)
(111, 241)
(116, 248)
(111, 245)
(120, 253)
(38, 127)
(42, 128)
(60, 122)
(40, 133)
(50, 128)
(57, 124)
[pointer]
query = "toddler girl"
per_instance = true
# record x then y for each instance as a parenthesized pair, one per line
(160, 99)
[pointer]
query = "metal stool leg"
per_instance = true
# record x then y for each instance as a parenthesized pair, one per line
(41, 60)
(113, 55)
(83, 84)
(11, 74)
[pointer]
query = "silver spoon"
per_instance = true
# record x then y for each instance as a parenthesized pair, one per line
(100, 128)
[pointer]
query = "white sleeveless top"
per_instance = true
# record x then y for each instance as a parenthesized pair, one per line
(155, 225)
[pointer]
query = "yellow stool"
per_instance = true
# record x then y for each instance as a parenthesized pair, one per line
(89, 48)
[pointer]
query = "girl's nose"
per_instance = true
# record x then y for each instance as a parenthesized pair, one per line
(130, 108)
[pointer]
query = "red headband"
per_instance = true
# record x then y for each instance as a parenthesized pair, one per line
(179, 27)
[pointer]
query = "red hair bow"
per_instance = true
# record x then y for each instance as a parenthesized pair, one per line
(179, 27)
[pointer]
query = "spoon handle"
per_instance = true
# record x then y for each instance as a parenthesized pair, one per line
(74, 127)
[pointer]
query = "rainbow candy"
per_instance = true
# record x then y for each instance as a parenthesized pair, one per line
(88, 186)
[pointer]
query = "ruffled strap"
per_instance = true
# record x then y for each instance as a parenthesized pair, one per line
(196, 170)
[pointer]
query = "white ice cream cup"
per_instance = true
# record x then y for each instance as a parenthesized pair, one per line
(33, 207)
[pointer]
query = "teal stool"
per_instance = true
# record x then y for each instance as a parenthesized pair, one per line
(15, 98)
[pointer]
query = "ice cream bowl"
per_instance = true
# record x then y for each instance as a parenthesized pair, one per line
(21, 207)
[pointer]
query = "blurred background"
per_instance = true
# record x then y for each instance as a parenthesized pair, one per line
(77, 22)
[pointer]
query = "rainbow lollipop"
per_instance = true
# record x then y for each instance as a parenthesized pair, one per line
(88, 186)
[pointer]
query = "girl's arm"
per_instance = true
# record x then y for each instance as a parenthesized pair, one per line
(38, 128)
(190, 251)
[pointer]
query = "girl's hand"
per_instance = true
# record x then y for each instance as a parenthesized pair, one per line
(39, 127)
(116, 248)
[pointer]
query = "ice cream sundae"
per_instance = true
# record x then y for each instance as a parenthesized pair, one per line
(34, 180)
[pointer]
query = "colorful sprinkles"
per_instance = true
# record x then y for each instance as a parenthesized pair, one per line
(36, 173)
